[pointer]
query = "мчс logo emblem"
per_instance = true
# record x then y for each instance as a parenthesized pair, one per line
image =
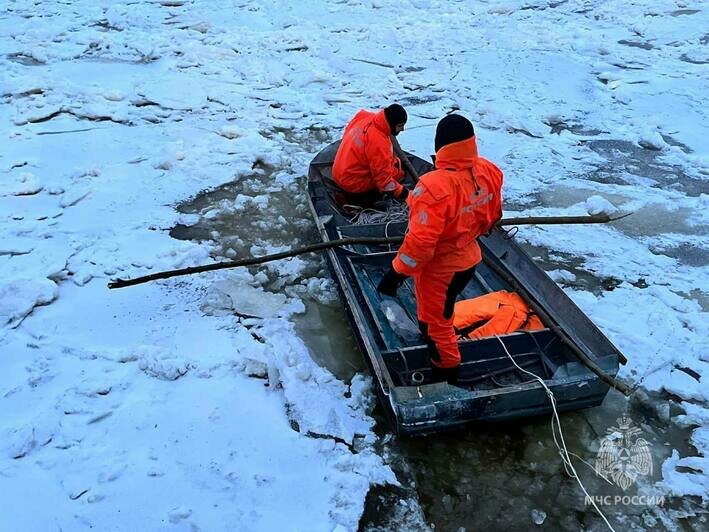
(623, 456)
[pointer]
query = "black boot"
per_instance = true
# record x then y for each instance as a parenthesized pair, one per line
(449, 375)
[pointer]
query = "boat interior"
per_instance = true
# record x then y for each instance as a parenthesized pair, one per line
(486, 363)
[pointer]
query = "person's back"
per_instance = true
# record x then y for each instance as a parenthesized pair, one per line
(456, 203)
(365, 162)
(448, 210)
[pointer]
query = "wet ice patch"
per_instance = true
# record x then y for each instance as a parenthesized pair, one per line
(561, 276)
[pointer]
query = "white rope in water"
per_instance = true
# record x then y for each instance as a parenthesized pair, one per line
(556, 427)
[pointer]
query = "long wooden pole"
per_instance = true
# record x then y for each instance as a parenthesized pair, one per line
(120, 283)
(251, 261)
(583, 357)
(399, 152)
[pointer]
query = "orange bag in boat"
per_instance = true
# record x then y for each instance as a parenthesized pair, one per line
(494, 313)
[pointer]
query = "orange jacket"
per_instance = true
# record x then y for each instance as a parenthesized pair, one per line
(498, 313)
(365, 159)
(449, 209)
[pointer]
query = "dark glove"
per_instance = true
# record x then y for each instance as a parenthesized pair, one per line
(404, 194)
(390, 283)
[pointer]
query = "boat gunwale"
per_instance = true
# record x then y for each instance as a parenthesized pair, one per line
(582, 377)
(376, 359)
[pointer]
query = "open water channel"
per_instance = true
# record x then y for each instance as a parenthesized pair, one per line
(490, 477)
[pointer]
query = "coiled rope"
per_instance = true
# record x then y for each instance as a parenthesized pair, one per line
(393, 211)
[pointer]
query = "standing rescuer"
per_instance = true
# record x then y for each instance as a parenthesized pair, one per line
(365, 165)
(448, 210)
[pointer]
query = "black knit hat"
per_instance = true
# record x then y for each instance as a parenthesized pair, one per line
(395, 115)
(453, 128)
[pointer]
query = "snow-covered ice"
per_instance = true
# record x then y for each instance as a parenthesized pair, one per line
(192, 403)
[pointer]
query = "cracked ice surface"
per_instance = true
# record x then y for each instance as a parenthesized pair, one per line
(133, 409)
(139, 400)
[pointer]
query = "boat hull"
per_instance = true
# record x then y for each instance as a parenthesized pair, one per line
(491, 389)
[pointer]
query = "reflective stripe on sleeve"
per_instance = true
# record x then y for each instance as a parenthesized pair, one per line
(391, 185)
(411, 263)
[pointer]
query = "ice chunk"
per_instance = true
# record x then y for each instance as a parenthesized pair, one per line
(231, 132)
(599, 205)
(290, 268)
(562, 276)
(178, 514)
(679, 483)
(652, 140)
(113, 95)
(20, 296)
(25, 184)
(71, 198)
(161, 363)
(251, 301)
(18, 442)
(538, 516)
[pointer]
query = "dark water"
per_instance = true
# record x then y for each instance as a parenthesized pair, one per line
(494, 477)
(503, 477)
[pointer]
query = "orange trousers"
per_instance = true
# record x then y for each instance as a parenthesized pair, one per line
(435, 299)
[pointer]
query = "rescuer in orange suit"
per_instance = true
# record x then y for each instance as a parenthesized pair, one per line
(365, 165)
(448, 210)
